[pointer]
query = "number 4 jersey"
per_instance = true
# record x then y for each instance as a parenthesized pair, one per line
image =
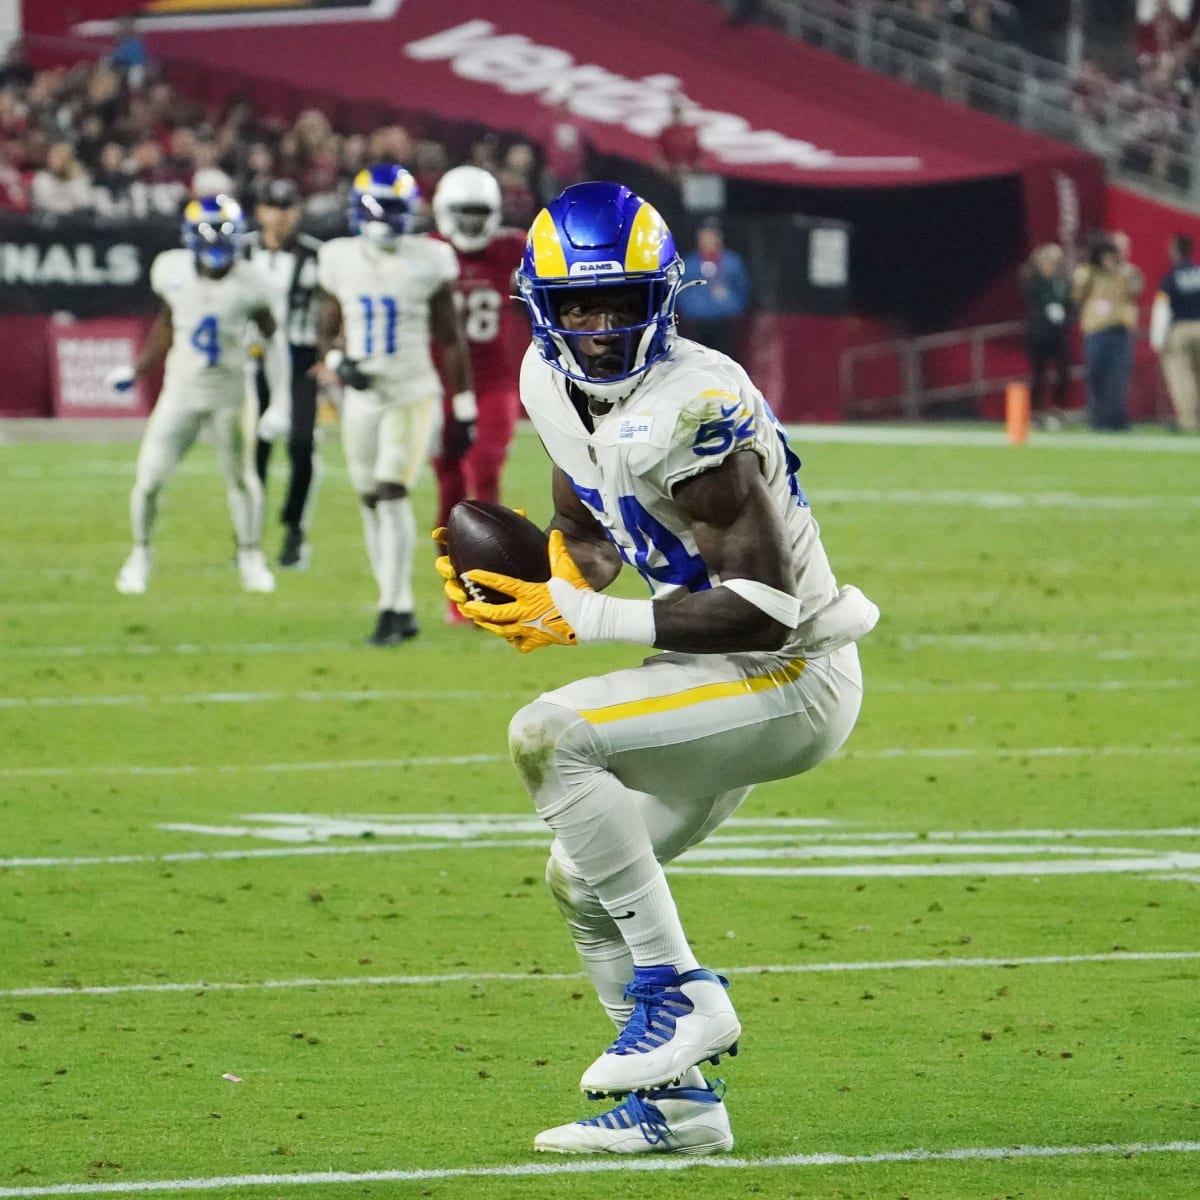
(384, 296)
(692, 411)
(207, 358)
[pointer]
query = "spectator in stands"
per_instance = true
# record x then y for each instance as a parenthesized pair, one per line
(255, 171)
(129, 55)
(1163, 29)
(566, 149)
(180, 161)
(519, 201)
(1047, 333)
(63, 185)
(678, 153)
(1100, 290)
(710, 312)
(15, 71)
(391, 143)
(1175, 332)
(112, 183)
(14, 195)
(485, 153)
(428, 164)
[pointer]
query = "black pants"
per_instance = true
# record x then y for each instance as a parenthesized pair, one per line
(1044, 358)
(301, 440)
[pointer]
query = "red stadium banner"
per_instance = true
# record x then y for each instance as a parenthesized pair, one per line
(765, 106)
(81, 354)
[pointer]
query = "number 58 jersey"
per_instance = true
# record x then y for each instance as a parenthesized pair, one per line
(384, 297)
(693, 410)
(208, 324)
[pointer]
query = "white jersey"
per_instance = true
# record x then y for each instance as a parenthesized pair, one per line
(693, 410)
(208, 325)
(384, 297)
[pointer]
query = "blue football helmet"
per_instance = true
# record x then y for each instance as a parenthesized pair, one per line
(382, 200)
(600, 235)
(213, 228)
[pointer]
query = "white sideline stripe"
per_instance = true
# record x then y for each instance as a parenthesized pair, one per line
(817, 968)
(357, 764)
(388, 695)
(990, 436)
(1042, 641)
(371, 764)
(263, 697)
(624, 1164)
(182, 648)
(1102, 866)
(1008, 752)
(288, 852)
(963, 498)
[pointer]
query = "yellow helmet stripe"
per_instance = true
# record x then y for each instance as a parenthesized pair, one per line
(549, 261)
(644, 248)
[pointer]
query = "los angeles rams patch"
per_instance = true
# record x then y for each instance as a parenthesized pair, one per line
(634, 429)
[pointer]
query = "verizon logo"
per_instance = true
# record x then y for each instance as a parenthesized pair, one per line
(520, 66)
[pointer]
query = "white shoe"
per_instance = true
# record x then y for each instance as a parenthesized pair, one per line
(677, 1022)
(668, 1121)
(256, 575)
(135, 573)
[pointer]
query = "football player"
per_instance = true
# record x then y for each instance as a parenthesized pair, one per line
(466, 208)
(386, 291)
(209, 296)
(667, 458)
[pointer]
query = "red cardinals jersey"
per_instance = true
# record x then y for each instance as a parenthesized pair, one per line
(497, 332)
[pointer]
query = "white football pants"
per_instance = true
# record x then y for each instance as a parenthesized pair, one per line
(633, 768)
(170, 432)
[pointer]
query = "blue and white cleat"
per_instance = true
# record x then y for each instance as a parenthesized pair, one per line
(681, 1120)
(678, 1021)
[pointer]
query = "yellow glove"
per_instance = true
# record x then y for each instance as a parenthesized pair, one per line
(451, 584)
(531, 620)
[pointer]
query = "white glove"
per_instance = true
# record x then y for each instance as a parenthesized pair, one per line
(275, 423)
(120, 379)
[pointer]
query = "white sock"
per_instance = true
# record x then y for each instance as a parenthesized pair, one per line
(143, 508)
(246, 510)
(370, 523)
(599, 823)
(397, 545)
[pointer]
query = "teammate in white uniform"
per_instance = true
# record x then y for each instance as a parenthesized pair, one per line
(668, 458)
(387, 291)
(209, 297)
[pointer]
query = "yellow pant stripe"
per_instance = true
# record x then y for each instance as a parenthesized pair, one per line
(697, 695)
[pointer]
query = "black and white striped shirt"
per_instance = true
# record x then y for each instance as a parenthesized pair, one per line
(292, 273)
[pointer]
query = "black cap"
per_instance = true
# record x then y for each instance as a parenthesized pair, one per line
(277, 193)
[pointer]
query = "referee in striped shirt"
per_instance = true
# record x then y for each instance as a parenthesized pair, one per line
(288, 258)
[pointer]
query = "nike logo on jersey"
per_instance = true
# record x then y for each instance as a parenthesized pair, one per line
(623, 916)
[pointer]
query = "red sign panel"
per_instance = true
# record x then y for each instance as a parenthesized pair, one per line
(81, 355)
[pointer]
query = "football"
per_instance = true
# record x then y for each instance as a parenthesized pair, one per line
(489, 537)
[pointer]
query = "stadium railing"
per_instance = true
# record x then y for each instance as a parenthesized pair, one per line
(1122, 124)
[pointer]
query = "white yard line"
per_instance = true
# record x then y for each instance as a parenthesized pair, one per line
(372, 764)
(816, 968)
(390, 695)
(621, 1164)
